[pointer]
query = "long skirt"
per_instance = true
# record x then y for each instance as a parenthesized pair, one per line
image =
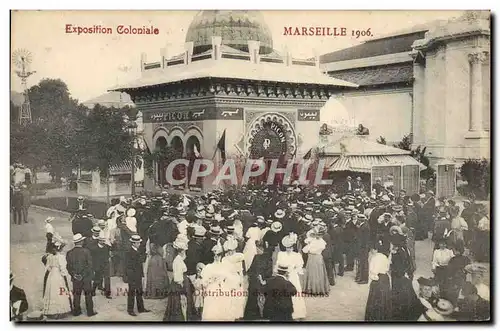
(299, 304)
(405, 304)
(255, 300)
(440, 276)
(157, 283)
(379, 303)
(249, 252)
(55, 301)
(180, 306)
(315, 277)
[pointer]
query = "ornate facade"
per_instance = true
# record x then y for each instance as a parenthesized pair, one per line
(267, 104)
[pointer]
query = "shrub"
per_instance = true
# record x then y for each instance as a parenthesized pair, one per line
(477, 173)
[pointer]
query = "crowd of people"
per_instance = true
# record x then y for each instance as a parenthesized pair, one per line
(256, 253)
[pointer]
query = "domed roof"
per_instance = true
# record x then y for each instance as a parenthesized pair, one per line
(235, 27)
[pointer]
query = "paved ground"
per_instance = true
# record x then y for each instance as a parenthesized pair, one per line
(346, 301)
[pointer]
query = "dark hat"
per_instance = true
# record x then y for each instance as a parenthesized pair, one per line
(426, 281)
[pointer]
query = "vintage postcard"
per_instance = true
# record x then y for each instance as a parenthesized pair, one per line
(233, 165)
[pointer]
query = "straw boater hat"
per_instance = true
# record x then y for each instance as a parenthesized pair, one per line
(279, 214)
(230, 229)
(216, 230)
(96, 230)
(135, 238)
(397, 208)
(387, 215)
(276, 226)
(281, 268)
(444, 307)
(78, 238)
(260, 219)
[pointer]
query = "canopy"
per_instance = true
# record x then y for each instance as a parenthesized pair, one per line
(359, 154)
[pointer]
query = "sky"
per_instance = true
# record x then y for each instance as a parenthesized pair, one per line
(90, 64)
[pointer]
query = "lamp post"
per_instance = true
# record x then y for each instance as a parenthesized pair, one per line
(132, 130)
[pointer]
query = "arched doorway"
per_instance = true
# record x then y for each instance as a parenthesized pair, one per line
(193, 148)
(271, 137)
(161, 145)
(177, 149)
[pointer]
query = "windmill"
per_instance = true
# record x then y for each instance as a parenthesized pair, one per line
(22, 58)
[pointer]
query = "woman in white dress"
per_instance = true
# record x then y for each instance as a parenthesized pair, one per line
(235, 265)
(217, 300)
(295, 264)
(56, 305)
(315, 279)
(253, 235)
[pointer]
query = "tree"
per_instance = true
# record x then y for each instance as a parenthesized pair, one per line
(160, 156)
(104, 141)
(477, 173)
(405, 143)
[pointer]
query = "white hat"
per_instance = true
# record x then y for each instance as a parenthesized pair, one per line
(217, 249)
(78, 237)
(180, 244)
(131, 212)
(123, 199)
(276, 227)
(199, 231)
(49, 219)
(230, 245)
(385, 198)
(308, 218)
(279, 214)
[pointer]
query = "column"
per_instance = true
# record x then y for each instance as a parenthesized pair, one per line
(476, 85)
(418, 113)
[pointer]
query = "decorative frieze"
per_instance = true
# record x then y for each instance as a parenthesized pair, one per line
(232, 89)
(164, 115)
(479, 57)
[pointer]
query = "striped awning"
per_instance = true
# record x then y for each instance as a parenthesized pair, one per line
(121, 169)
(365, 163)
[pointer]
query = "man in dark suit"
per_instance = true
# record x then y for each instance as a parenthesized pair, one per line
(363, 235)
(134, 274)
(195, 251)
(279, 291)
(79, 261)
(348, 186)
(100, 263)
(18, 301)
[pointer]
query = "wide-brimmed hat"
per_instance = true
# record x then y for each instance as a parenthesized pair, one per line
(475, 268)
(230, 245)
(444, 307)
(260, 219)
(217, 249)
(131, 212)
(287, 241)
(49, 219)
(80, 198)
(180, 244)
(230, 229)
(135, 238)
(279, 214)
(276, 226)
(386, 215)
(78, 238)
